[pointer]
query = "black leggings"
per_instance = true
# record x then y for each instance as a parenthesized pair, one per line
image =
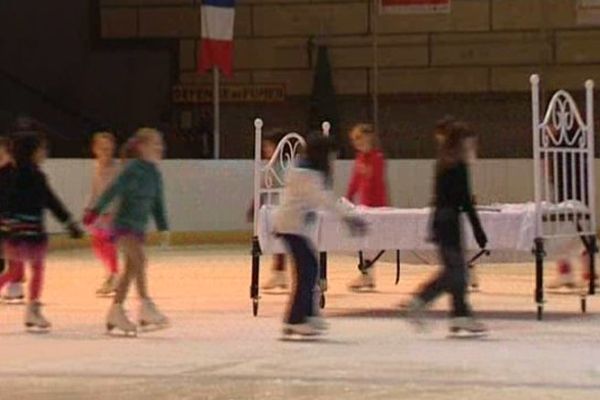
(306, 266)
(452, 279)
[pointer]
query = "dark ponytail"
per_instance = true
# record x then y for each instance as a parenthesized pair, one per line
(317, 151)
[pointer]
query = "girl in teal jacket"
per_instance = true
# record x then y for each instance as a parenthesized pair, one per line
(139, 189)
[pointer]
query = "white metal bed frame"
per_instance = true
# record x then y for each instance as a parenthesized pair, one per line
(268, 186)
(564, 144)
(561, 139)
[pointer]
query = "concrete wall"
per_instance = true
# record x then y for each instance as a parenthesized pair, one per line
(473, 63)
(482, 45)
(206, 196)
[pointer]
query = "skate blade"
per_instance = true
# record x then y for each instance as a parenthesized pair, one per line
(276, 290)
(463, 334)
(37, 330)
(13, 302)
(105, 295)
(289, 335)
(146, 328)
(363, 289)
(117, 333)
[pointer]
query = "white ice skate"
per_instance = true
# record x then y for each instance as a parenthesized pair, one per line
(14, 293)
(278, 281)
(117, 319)
(473, 280)
(150, 318)
(108, 287)
(564, 281)
(365, 282)
(467, 327)
(304, 331)
(413, 312)
(34, 320)
(319, 323)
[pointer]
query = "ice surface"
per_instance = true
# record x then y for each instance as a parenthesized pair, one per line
(217, 350)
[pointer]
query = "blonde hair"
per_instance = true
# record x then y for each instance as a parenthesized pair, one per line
(145, 134)
(103, 135)
(369, 131)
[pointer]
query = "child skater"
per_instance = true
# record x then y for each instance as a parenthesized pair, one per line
(105, 171)
(140, 191)
(14, 293)
(14, 290)
(304, 193)
(452, 196)
(279, 278)
(367, 188)
(28, 195)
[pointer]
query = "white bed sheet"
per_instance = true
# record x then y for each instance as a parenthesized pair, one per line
(510, 227)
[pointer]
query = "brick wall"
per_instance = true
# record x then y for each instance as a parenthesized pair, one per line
(471, 61)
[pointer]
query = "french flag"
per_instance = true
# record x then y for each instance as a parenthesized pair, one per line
(216, 49)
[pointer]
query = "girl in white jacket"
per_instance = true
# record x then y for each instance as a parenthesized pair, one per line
(304, 193)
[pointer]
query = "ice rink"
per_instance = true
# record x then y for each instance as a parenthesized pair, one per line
(215, 349)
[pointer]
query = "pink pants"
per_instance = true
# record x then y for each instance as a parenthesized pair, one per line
(105, 249)
(20, 253)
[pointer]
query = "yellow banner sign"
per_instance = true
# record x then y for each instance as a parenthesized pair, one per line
(230, 93)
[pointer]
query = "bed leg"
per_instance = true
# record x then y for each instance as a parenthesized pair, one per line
(539, 277)
(254, 287)
(397, 266)
(592, 255)
(322, 277)
(361, 261)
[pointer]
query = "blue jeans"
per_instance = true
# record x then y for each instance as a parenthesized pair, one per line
(306, 266)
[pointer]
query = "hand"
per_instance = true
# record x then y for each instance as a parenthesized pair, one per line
(89, 217)
(357, 226)
(481, 238)
(75, 231)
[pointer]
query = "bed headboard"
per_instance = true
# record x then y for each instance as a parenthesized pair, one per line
(564, 157)
(269, 175)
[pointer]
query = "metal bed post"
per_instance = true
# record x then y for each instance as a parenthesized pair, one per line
(591, 180)
(256, 252)
(326, 129)
(538, 248)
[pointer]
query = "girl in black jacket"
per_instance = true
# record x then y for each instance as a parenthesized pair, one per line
(28, 195)
(452, 197)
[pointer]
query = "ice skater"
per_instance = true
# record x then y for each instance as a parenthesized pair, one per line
(13, 293)
(139, 189)
(367, 188)
(279, 275)
(305, 193)
(29, 194)
(452, 197)
(105, 171)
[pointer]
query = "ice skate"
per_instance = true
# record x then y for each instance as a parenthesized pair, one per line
(319, 323)
(278, 281)
(117, 319)
(467, 327)
(473, 280)
(304, 331)
(34, 320)
(413, 312)
(150, 318)
(564, 281)
(14, 293)
(108, 287)
(364, 282)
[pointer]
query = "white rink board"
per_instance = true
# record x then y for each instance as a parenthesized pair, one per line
(204, 196)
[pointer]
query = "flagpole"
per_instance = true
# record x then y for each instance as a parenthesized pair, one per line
(375, 85)
(216, 113)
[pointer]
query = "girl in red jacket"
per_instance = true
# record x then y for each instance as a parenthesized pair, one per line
(367, 188)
